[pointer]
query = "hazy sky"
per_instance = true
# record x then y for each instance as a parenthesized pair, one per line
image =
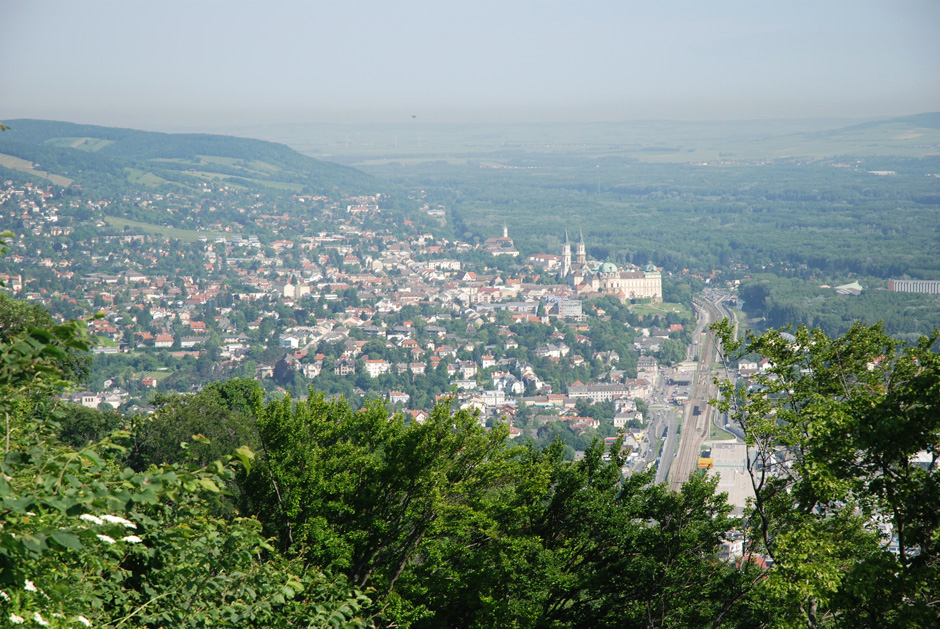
(166, 64)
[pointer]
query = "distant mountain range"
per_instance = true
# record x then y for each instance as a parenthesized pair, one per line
(405, 146)
(929, 120)
(113, 159)
(120, 159)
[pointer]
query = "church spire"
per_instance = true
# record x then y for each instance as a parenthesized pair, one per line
(582, 253)
(566, 257)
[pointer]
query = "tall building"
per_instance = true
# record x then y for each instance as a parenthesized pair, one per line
(630, 282)
(502, 246)
(566, 257)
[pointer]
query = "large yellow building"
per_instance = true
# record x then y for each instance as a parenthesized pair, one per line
(604, 277)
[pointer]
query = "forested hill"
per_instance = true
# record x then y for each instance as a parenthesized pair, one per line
(116, 159)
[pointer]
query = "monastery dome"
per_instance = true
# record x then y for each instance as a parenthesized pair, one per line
(608, 267)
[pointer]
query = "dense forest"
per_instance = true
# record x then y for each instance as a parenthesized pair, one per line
(783, 215)
(791, 301)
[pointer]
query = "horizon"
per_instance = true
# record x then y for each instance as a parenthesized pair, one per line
(818, 122)
(213, 64)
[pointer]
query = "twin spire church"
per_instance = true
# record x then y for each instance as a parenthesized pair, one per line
(581, 260)
(605, 277)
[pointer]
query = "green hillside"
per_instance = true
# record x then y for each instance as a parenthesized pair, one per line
(118, 159)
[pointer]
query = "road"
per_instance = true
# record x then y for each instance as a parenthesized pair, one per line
(661, 416)
(665, 462)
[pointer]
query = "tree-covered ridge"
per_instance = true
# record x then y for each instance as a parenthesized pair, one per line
(115, 160)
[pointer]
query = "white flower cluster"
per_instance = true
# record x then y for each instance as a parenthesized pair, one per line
(130, 539)
(112, 519)
(29, 586)
(19, 620)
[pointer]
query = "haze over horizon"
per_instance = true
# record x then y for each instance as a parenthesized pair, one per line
(176, 66)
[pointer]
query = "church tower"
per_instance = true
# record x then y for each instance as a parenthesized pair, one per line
(505, 230)
(566, 257)
(582, 254)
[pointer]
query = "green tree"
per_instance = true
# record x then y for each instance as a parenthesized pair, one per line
(672, 351)
(577, 545)
(84, 540)
(845, 436)
(16, 316)
(224, 412)
(361, 492)
(80, 425)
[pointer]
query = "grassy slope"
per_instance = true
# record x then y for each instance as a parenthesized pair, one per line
(186, 235)
(26, 166)
(118, 157)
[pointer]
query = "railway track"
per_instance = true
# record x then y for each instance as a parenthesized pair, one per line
(694, 429)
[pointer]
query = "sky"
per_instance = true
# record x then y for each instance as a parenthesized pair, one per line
(199, 64)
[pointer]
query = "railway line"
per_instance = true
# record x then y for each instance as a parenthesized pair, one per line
(694, 428)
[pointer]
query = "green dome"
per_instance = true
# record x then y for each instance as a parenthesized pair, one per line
(608, 267)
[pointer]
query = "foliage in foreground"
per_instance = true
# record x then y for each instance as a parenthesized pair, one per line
(355, 518)
(844, 438)
(453, 528)
(87, 541)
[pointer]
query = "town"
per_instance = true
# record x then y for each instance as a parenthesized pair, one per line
(336, 295)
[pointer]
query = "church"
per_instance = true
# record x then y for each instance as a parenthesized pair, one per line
(501, 246)
(605, 277)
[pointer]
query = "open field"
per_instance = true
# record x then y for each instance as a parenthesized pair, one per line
(159, 376)
(717, 434)
(135, 175)
(186, 235)
(22, 165)
(84, 144)
(248, 167)
(252, 171)
(237, 180)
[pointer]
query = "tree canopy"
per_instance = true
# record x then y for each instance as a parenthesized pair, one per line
(312, 513)
(844, 439)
